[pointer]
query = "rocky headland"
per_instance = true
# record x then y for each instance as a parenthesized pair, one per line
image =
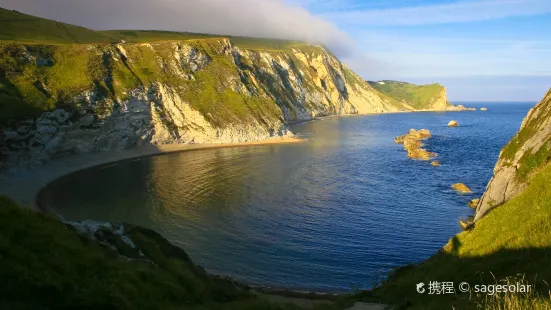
(429, 97)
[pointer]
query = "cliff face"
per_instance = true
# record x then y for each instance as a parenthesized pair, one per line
(114, 96)
(525, 154)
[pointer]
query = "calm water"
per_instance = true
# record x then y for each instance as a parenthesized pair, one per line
(333, 214)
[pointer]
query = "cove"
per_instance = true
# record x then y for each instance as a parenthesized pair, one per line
(333, 214)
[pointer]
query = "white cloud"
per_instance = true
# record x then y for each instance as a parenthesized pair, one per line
(456, 12)
(259, 18)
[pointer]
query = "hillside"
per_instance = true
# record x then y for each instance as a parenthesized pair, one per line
(16, 26)
(509, 244)
(418, 97)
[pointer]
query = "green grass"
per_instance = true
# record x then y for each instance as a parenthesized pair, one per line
(511, 240)
(418, 96)
(145, 36)
(46, 264)
(16, 26)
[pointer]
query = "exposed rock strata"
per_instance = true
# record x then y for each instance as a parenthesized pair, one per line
(529, 150)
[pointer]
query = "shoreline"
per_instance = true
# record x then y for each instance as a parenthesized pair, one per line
(25, 187)
(318, 118)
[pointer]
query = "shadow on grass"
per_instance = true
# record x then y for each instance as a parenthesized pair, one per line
(399, 289)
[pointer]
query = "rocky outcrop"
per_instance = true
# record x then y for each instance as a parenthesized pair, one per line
(413, 145)
(460, 107)
(483, 109)
(462, 188)
(435, 163)
(453, 124)
(473, 203)
(526, 153)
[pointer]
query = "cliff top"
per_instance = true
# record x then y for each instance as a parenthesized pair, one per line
(24, 28)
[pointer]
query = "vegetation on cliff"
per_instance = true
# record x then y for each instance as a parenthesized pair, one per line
(527, 153)
(420, 97)
(538, 153)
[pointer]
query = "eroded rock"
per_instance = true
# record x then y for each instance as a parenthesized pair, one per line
(460, 187)
(413, 144)
(473, 203)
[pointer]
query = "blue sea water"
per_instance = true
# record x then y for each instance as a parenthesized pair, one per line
(332, 214)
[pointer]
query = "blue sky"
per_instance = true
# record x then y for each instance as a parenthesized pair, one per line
(490, 50)
(481, 50)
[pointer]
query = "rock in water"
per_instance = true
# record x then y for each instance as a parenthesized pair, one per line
(466, 225)
(483, 109)
(473, 203)
(435, 163)
(460, 187)
(412, 144)
(453, 124)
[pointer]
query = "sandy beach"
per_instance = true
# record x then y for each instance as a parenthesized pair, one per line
(24, 186)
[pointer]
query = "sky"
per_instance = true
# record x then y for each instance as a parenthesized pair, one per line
(481, 50)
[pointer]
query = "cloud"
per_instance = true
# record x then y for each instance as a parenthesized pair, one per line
(455, 12)
(258, 18)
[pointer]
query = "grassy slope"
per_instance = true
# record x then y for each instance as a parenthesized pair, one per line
(15, 26)
(513, 239)
(418, 96)
(143, 36)
(45, 264)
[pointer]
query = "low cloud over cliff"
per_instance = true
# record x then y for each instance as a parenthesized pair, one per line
(259, 18)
